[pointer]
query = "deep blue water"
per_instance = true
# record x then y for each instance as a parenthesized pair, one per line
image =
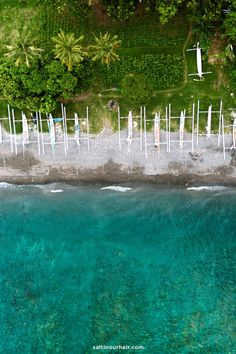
(150, 267)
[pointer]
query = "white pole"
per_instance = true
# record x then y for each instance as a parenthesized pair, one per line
(87, 115)
(141, 123)
(145, 130)
(10, 126)
(220, 123)
(41, 128)
(119, 127)
(193, 126)
(38, 136)
(223, 136)
(167, 147)
(198, 106)
(14, 129)
(169, 125)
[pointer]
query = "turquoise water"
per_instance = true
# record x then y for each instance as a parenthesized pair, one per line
(85, 267)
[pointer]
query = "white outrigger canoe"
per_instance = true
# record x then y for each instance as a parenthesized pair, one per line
(157, 131)
(181, 127)
(52, 133)
(199, 63)
(130, 128)
(234, 134)
(208, 127)
(0, 133)
(77, 130)
(25, 130)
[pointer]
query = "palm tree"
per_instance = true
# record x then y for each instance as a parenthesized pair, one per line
(68, 49)
(105, 47)
(22, 50)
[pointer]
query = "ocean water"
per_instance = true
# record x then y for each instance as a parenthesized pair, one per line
(149, 267)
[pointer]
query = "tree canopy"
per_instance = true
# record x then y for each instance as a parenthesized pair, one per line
(69, 49)
(22, 49)
(104, 48)
(230, 22)
(34, 79)
(208, 10)
(36, 88)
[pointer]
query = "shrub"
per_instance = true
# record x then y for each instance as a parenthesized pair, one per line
(162, 71)
(136, 89)
(71, 7)
(85, 74)
(38, 87)
(121, 9)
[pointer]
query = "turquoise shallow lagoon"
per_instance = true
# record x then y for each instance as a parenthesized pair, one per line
(150, 267)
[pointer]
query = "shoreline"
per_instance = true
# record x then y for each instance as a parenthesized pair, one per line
(169, 181)
(114, 174)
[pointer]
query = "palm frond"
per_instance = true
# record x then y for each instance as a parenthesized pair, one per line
(22, 50)
(104, 48)
(69, 49)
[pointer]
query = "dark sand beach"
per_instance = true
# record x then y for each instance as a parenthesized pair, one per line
(105, 163)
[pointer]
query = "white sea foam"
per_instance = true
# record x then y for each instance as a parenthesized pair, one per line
(48, 188)
(117, 188)
(207, 188)
(6, 185)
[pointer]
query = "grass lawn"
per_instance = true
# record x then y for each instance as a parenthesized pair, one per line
(147, 47)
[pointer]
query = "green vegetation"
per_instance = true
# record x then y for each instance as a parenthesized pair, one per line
(36, 87)
(76, 51)
(68, 49)
(230, 22)
(105, 48)
(22, 50)
(162, 71)
(136, 89)
(120, 9)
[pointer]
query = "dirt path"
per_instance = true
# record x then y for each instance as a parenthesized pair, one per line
(184, 55)
(78, 98)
